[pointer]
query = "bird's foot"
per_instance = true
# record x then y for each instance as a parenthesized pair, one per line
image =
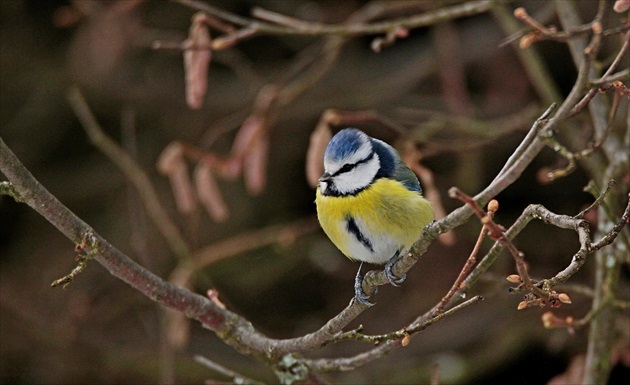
(358, 288)
(389, 274)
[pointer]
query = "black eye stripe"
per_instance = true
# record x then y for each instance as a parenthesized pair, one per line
(349, 167)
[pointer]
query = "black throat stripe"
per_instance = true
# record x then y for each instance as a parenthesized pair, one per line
(352, 227)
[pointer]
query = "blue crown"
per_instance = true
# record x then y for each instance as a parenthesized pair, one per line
(345, 143)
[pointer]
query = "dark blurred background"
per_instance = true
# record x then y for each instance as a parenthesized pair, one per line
(101, 331)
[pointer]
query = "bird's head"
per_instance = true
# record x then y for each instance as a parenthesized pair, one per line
(352, 161)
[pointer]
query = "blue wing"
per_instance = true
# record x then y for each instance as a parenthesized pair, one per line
(393, 167)
(404, 175)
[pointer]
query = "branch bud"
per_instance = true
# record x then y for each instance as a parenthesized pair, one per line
(213, 295)
(520, 13)
(406, 339)
(493, 206)
(564, 298)
(514, 278)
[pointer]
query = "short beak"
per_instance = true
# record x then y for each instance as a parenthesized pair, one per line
(324, 181)
(325, 177)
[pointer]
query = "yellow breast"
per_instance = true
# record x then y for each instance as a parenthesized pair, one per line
(388, 215)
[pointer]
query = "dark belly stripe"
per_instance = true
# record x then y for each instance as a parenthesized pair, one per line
(352, 227)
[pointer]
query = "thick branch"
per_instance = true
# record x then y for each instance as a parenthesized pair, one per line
(215, 318)
(117, 263)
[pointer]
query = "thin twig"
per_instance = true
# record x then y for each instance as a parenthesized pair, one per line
(587, 247)
(276, 18)
(539, 32)
(612, 234)
(541, 213)
(236, 378)
(241, 243)
(409, 330)
(85, 252)
(572, 157)
(621, 75)
(533, 64)
(497, 233)
(583, 54)
(618, 60)
(598, 200)
(386, 342)
(584, 321)
(252, 240)
(132, 171)
(527, 141)
(306, 28)
(470, 262)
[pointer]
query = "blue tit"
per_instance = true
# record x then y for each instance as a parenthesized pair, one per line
(370, 203)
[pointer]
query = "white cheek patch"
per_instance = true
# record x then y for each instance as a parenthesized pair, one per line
(359, 177)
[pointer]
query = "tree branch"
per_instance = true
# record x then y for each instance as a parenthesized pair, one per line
(306, 28)
(237, 378)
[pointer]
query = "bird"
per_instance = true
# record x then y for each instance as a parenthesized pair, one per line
(370, 203)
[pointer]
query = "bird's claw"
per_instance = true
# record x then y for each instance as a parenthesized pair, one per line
(362, 298)
(358, 288)
(389, 274)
